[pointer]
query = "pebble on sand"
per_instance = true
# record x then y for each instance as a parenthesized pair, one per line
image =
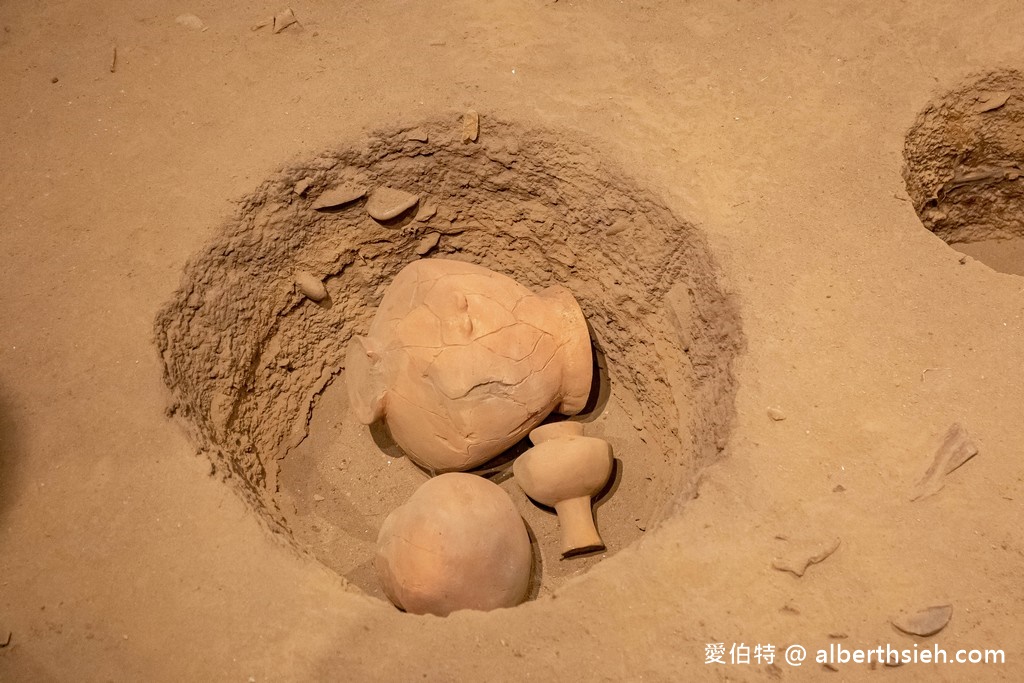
(776, 414)
(310, 285)
(470, 126)
(386, 203)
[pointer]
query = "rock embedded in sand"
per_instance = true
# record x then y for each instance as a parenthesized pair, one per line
(310, 285)
(457, 543)
(776, 414)
(301, 187)
(621, 225)
(417, 135)
(470, 126)
(386, 203)
(427, 243)
(926, 622)
(338, 196)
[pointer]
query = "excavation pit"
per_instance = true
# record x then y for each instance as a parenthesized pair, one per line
(965, 169)
(256, 368)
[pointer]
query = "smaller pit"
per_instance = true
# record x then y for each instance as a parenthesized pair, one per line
(965, 169)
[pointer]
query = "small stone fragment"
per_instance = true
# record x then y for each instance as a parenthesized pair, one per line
(284, 19)
(386, 203)
(427, 243)
(338, 196)
(317, 497)
(470, 126)
(956, 449)
(54, 79)
(301, 186)
(262, 23)
(563, 255)
(776, 414)
(417, 135)
(926, 622)
(190, 21)
(802, 556)
(618, 226)
(310, 285)
(425, 213)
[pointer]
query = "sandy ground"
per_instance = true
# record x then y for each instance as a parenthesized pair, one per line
(776, 127)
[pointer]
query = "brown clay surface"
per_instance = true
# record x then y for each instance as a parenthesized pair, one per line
(776, 128)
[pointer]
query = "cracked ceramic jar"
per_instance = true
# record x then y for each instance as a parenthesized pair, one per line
(461, 362)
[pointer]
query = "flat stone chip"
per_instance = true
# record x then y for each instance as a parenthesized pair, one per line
(926, 622)
(470, 126)
(386, 203)
(802, 556)
(338, 196)
(417, 135)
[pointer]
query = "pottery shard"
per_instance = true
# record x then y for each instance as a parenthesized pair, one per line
(926, 622)
(338, 196)
(801, 556)
(386, 203)
(470, 126)
(310, 285)
(956, 449)
(284, 19)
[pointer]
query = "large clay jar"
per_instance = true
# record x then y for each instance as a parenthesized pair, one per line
(462, 362)
(457, 543)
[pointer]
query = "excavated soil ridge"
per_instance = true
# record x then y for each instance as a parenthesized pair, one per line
(965, 168)
(247, 356)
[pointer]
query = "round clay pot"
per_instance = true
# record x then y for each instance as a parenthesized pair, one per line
(457, 543)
